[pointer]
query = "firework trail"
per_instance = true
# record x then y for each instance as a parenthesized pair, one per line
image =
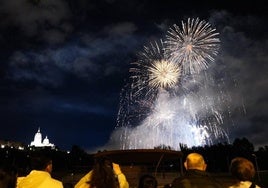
(169, 99)
(193, 46)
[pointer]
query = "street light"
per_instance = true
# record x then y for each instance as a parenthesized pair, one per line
(257, 166)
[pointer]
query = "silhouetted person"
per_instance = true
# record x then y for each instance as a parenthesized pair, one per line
(147, 181)
(40, 176)
(243, 170)
(105, 174)
(8, 177)
(196, 175)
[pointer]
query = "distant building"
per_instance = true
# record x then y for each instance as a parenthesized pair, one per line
(37, 142)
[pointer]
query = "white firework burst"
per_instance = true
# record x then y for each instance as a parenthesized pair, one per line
(166, 101)
(151, 74)
(163, 74)
(193, 46)
(154, 70)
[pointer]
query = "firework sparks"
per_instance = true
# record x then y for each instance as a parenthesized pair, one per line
(193, 46)
(154, 70)
(165, 103)
(163, 74)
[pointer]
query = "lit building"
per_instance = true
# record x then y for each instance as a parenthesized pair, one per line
(37, 142)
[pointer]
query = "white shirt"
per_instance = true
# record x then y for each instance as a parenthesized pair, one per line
(243, 184)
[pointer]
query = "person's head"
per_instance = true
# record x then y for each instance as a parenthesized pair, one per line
(147, 181)
(195, 161)
(8, 177)
(103, 173)
(242, 169)
(43, 163)
(102, 164)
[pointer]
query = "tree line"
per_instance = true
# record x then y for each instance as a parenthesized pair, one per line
(217, 156)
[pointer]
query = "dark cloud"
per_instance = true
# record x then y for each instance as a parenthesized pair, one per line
(244, 55)
(45, 21)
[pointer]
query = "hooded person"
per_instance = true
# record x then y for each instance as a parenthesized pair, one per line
(40, 175)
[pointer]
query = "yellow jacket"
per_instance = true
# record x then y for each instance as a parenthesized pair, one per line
(83, 181)
(38, 179)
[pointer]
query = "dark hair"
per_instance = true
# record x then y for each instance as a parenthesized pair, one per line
(147, 181)
(8, 177)
(242, 169)
(102, 174)
(40, 162)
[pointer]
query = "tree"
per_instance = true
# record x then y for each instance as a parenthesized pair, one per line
(243, 147)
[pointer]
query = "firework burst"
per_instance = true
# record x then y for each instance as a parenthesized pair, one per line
(169, 99)
(193, 46)
(149, 75)
(153, 70)
(163, 74)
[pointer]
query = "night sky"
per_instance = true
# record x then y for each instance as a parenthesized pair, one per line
(64, 63)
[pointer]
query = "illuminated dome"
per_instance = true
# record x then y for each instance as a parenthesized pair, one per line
(37, 142)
